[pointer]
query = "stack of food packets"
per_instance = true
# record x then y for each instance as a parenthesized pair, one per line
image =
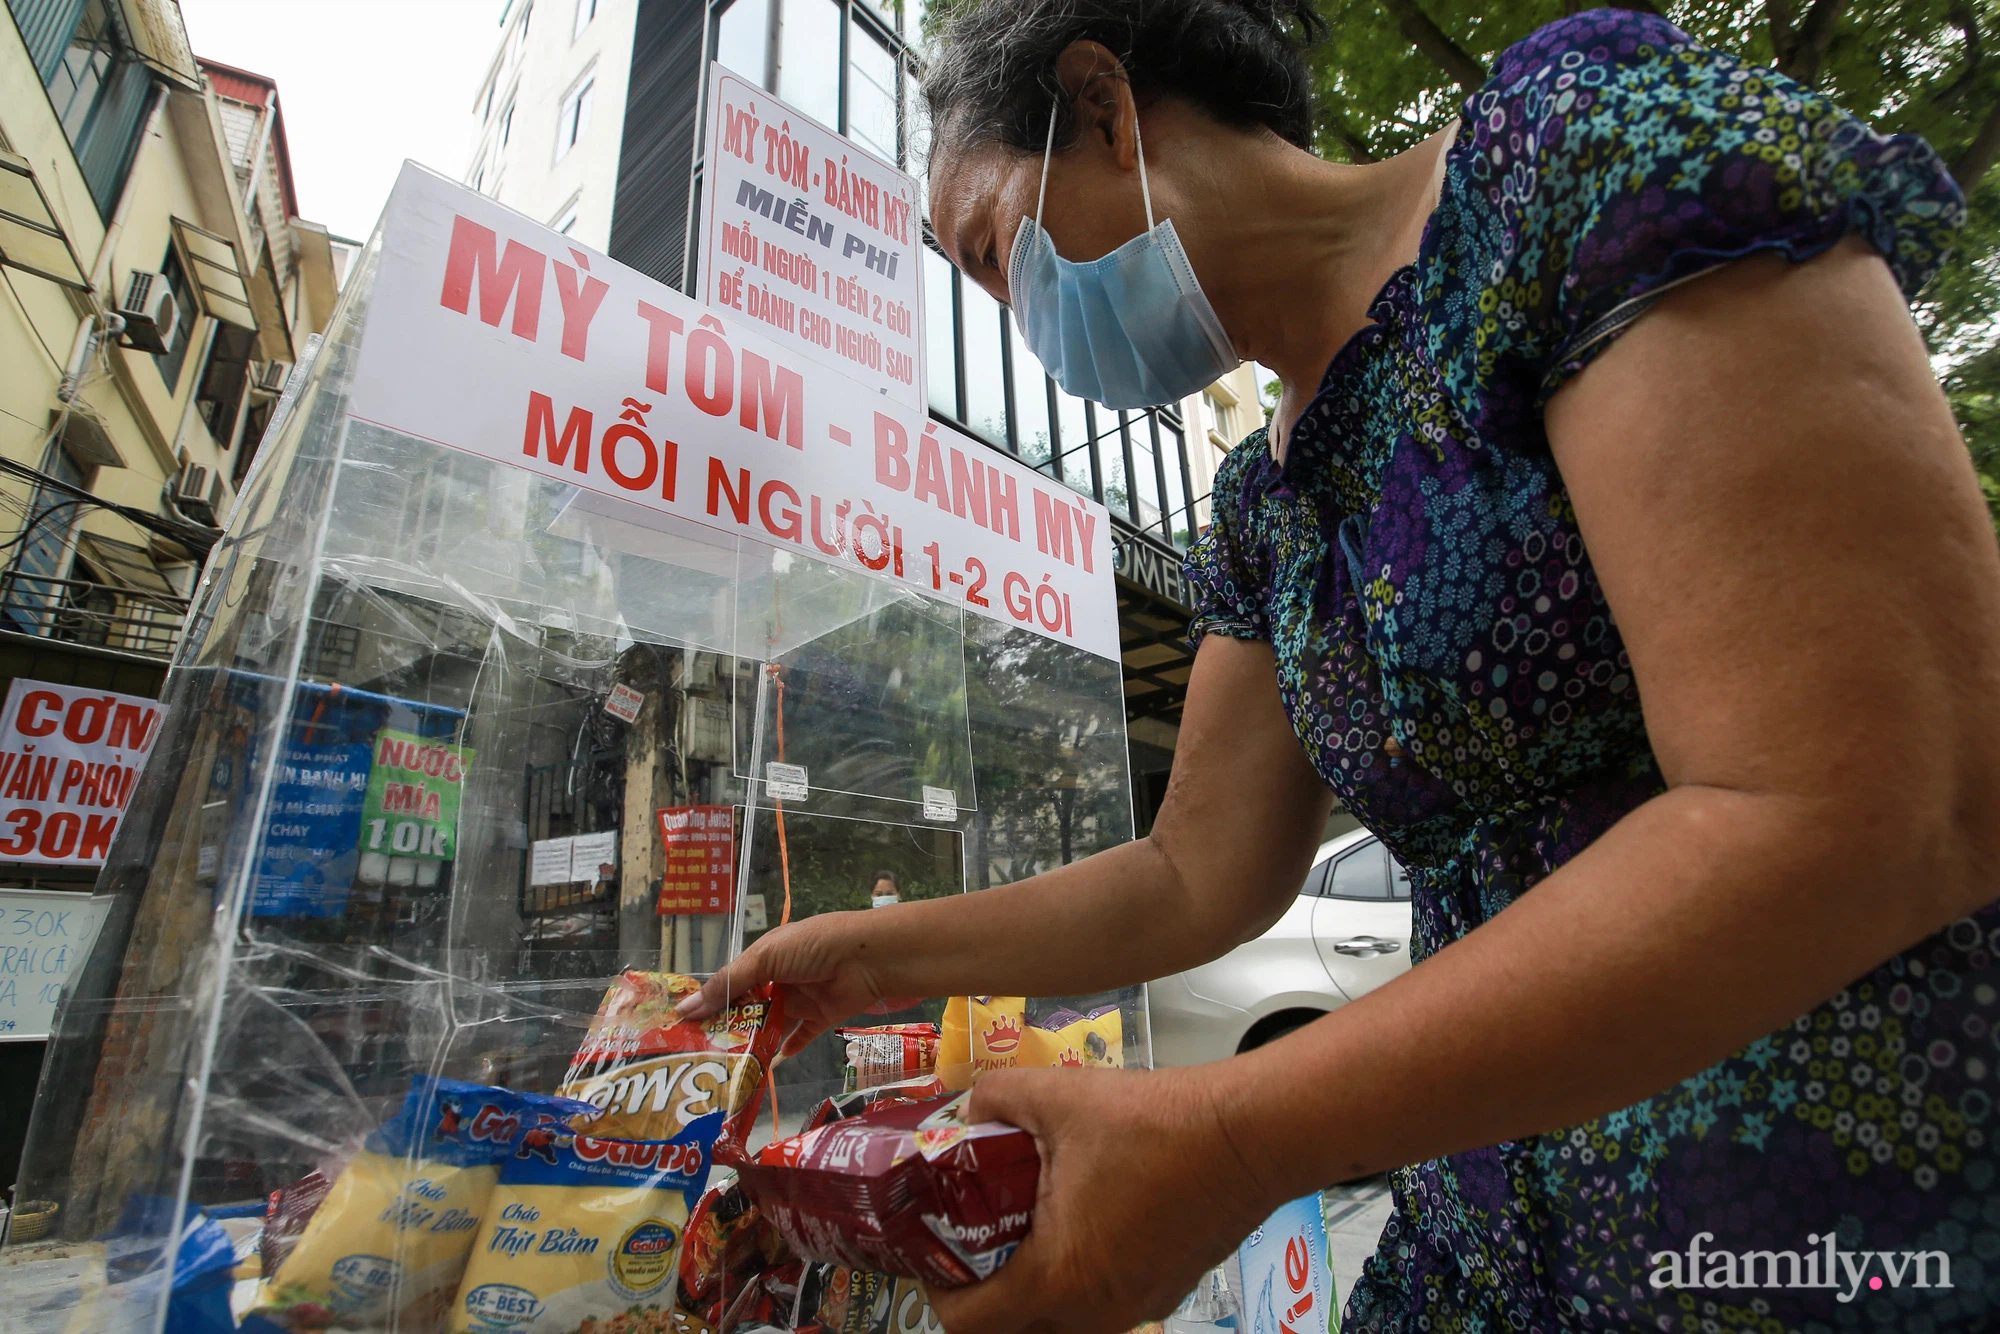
(388, 1242)
(905, 1188)
(582, 1228)
(653, 1074)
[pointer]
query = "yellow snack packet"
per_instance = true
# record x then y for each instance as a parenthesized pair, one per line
(389, 1241)
(1072, 1039)
(582, 1230)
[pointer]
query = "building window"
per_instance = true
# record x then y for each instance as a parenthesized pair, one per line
(1173, 465)
(574, 118)
(586, 10)
(809, 58)
(81, 74)
(566, 220)
(743, 40)
(941, 333)
(871, 92)
(1145, 473)
(1221, 417)
(31, 591)
(507, 125)
(101, 95)
(175, 356)
(985, 372)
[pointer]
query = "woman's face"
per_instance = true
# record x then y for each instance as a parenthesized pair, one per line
(979, 196)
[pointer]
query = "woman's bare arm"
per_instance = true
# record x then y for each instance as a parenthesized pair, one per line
(1227, 851)
(1790, 534)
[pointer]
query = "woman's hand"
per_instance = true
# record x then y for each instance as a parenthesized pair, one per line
(822, 963)
(1141, 1193)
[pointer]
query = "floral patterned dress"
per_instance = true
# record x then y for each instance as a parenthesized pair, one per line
(1417, 567)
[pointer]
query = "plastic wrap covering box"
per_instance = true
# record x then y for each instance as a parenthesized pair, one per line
(536, 551)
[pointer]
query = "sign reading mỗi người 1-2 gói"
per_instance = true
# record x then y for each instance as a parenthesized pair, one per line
(813, 239)
(69, 759)
(491, 334)
(413, 790)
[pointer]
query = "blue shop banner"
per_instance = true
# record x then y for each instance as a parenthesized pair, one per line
(311, 832)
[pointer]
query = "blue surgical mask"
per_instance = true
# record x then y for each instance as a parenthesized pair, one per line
(1130, 330)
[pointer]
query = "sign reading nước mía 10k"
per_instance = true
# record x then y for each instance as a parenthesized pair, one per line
(489, 333)
(811, 238)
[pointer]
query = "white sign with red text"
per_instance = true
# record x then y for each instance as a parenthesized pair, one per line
(69, 759)
(812, 239)
(489, 333)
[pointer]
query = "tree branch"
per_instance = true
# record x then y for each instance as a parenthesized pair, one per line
(1433, 42)
(1808, 45)
(1778, 17)
(1978, 156)
(1357, 147)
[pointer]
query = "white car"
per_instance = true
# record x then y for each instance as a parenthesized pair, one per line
(1347, 933)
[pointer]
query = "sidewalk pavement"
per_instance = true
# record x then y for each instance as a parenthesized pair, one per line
(1355, 1216)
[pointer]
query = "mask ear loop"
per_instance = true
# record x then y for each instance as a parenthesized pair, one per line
(1145, 191)
(1048, 147)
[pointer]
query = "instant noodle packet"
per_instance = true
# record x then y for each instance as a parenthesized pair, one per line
(905, 1188)
(729, 1243)
(583, 1229)
(388, 1242)
(654, 1073)
(888, 1053)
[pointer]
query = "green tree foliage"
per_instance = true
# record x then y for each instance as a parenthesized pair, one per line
(1391, 72)
(1394, 71)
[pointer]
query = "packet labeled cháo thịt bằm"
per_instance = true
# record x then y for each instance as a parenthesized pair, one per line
(582, 1230)
(653, 1073)
(389, 1241)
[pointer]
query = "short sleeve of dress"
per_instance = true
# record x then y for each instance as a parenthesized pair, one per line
(1228, 570)
(1618, 157)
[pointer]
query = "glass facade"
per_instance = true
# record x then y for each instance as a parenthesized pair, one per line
(983, 379)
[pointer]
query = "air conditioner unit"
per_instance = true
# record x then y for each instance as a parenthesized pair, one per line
(193, 493)
(149, 312)
(271, 376)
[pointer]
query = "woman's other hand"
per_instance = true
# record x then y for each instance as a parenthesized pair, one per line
(821, 961)
(1141, 1193)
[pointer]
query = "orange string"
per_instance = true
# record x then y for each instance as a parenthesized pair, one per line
(784, 852)
(313, 724)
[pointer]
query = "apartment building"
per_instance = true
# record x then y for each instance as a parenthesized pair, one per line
(589, 119)
(156, 285)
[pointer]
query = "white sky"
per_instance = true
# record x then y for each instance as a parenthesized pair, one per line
(364, 84)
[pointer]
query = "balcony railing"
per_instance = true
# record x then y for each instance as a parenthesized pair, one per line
(74, 611)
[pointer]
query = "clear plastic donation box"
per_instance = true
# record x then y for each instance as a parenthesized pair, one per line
(564, 628)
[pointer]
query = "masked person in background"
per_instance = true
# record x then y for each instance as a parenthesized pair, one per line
(1614, 556)
(886, 890)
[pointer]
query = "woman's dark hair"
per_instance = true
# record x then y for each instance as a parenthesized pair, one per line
(992, 74)
(890, 876)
